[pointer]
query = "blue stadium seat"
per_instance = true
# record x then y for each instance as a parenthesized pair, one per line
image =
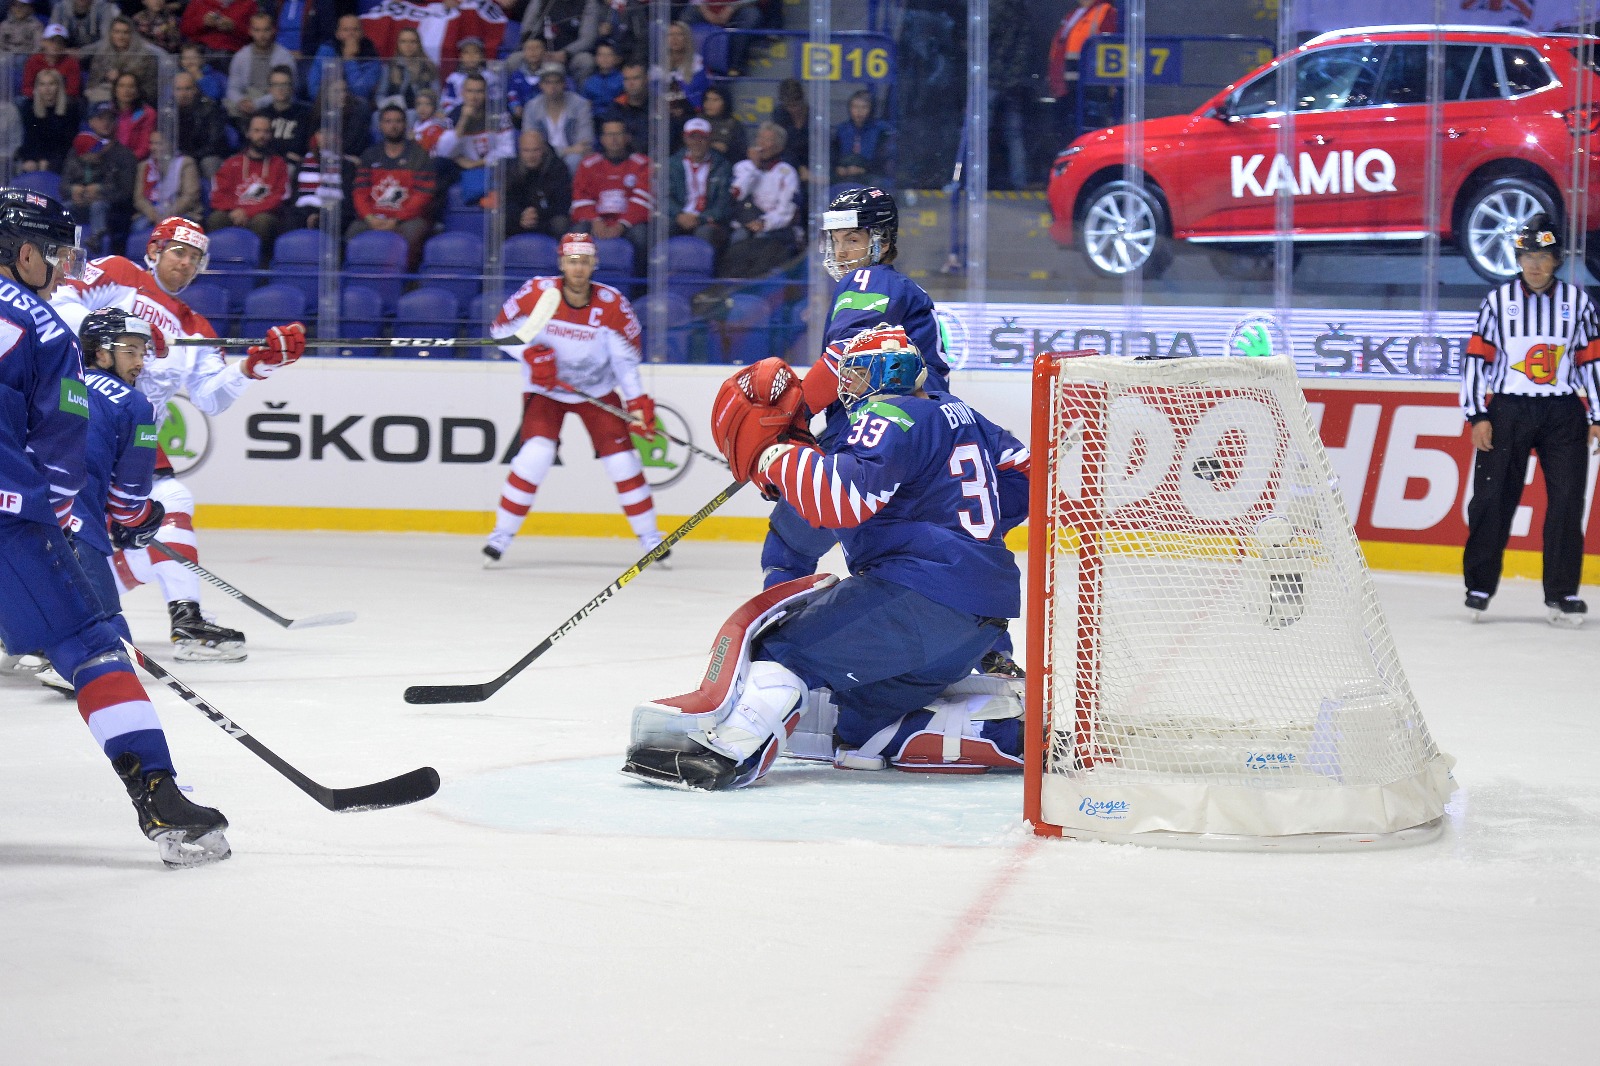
(529, 255)
(138, 237)
(297, 260)
(748, 323)
(271, 305)
(427, 312)
(360, 315)
(690, 263)
(615, 266)
(377, 259)
(454, 262)
(684, 335)
(464, 220)
(210, 300)
(45, 181)
(235, 259)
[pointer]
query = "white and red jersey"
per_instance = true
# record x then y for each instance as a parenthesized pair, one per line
(597, 345)
(617, 191)
(113, 281)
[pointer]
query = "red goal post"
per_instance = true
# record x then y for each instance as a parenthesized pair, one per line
(1208, 663)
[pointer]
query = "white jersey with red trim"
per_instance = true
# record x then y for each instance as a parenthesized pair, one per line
(114, 281)
(597, 345)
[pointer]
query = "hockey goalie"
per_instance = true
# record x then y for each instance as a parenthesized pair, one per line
(878, 669)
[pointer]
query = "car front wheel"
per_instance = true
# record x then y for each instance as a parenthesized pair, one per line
(1490, 220)
(1123, 231)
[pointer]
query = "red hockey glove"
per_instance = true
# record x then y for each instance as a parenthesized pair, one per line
(158, 342)
(284, 345)
(755, 409)
(643, 410)
(541, 360)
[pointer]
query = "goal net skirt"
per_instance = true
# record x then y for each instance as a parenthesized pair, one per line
(1208, 662)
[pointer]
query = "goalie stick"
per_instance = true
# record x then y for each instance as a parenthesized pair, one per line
(419, 784)
(627, 416)
(337, 618)
(479, 693)
(544, 310)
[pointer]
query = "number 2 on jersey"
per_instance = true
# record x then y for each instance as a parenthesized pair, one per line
(976, 487)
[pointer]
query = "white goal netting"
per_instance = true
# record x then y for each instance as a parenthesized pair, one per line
(1211, 664)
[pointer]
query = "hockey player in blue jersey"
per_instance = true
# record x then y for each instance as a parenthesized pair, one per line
(114, 510)
(47, 605)
(921, 490)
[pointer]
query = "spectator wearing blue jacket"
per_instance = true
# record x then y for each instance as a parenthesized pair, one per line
(363, 67)
(862, 144)
(605, 84)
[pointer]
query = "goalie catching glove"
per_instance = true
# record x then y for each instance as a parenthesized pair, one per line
(283, 346)
(758, 407)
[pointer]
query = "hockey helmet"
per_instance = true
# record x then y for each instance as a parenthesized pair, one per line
(101, 330)
(577, 244)
(877, 361)
(1539, 234)
(867, 208)
(181, 230)
(28, 217)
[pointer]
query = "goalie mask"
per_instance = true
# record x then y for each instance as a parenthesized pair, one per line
(869, 209)
(877, 361)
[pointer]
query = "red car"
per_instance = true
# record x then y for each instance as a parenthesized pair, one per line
(1514, 106)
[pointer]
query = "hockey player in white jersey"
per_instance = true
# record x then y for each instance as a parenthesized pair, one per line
(175, 253)
(591, 343)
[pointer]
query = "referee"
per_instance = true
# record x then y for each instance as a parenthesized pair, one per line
(1534, 354)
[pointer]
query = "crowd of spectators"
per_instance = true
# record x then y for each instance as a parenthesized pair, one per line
(422, 116)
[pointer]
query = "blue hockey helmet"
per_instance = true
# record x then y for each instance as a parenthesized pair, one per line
(877, 361)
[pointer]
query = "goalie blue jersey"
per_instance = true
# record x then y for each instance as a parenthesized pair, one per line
(922, 493)
(120, 462)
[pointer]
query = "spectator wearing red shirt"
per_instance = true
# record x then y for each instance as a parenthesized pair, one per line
(220, 25)
(611, 191)
(54, 56)
(394, 185)
(250, 187)
(136, 120)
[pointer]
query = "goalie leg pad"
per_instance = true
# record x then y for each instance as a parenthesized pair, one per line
(974, 727)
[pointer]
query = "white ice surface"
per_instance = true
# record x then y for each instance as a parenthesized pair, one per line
(543, 909)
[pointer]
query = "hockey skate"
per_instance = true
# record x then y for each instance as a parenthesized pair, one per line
(495, 548)
(50, 677)
(1477, 604)
(1567, 611)
(199, 640)
(696, 769)
(999, 664)
(20, 665)
(185, 833)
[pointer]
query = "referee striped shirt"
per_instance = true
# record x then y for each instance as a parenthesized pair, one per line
(1532, 344)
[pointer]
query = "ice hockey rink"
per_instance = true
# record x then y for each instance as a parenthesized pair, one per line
(544, 909)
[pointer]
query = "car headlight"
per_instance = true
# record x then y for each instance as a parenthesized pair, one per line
(1063, 161)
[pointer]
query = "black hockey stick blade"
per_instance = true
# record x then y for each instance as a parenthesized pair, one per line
(337, 618)
(410, 787)
(429, 694)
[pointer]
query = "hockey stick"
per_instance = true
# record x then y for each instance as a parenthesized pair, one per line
(479, 693)
(419, 784)
(627, 416)
(544, 310)
(338, 618)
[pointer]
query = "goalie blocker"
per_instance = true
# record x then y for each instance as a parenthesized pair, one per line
(750, 708)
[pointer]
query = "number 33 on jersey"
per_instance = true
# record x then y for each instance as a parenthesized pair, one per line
(941, 485)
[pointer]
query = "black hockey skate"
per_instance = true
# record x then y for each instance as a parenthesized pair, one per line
(1477, 604)
(186, 833)
(1567, 611)
(693, 769)
(198, 640)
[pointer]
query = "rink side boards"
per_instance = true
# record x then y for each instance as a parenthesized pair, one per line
(421, 445)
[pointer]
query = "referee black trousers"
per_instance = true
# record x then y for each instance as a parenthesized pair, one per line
(1557, 430)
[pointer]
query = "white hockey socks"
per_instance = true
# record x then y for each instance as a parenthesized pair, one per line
(767, 709)
(144, 565)
(528, 469)
(633, 494)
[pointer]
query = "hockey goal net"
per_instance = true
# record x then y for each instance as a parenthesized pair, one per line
(1208, 664)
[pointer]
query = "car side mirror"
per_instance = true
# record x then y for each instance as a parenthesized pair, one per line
(1220, 112)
